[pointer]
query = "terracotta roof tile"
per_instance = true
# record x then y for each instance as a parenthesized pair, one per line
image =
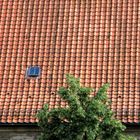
(97, 41)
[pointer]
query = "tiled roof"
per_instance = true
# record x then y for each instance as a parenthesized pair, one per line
(96, 40)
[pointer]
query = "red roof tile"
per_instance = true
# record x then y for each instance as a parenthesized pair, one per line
(95, 40)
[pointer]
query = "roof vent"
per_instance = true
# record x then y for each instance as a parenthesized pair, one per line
(33, 71)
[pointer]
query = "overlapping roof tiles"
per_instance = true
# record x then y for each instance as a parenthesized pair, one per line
(96, 40)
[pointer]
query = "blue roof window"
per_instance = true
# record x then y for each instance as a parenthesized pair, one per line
(33, 71)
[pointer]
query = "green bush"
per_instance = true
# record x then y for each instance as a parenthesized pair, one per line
(85, 117)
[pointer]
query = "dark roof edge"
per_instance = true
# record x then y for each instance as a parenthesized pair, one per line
(35, 124)
(132, 125)
(19, 124)
(137, 124)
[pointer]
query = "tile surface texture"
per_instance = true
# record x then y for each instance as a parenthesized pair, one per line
(96, 40)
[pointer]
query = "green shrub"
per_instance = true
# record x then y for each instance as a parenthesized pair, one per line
(85, 117)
